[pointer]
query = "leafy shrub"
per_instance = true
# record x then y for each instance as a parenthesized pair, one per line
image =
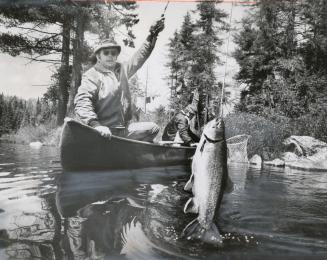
(266, 135)
(48, 133)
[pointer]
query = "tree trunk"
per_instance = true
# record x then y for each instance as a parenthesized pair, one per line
(64, 72)
(77, 61)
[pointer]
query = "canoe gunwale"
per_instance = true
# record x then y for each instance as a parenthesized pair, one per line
(73, 121)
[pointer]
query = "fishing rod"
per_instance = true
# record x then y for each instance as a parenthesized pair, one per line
(225, 72)
(164, 11)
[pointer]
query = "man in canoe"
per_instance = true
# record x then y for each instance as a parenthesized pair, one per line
(178, 129)
(103, 100)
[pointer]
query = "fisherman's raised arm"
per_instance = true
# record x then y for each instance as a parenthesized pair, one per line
(145, 50)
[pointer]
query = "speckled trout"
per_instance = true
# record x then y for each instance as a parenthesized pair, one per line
(208, 182)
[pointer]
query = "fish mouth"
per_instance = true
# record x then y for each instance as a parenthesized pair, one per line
(216, 131)
(219, 123)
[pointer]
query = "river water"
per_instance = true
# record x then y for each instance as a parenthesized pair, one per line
(137, 214)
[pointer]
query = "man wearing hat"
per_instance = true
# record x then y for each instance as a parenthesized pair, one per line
(178, 129)
(103, 100)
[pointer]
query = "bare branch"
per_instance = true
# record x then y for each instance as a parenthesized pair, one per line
(43, 55)
(49, 61)
(46, 39)
(35, 30)
(119, 10)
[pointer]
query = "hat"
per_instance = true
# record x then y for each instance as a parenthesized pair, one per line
(191, 109)
(107, 43)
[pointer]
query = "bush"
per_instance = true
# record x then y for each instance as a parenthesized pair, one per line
(313, 124)
(48, 134)
(267, 135)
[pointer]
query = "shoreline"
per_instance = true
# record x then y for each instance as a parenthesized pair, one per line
(267, 133)
(46, 134)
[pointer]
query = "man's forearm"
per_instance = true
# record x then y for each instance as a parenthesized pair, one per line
(144, 52)
(140, 56)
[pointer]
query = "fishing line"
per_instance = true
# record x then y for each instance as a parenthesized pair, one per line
(227, 47)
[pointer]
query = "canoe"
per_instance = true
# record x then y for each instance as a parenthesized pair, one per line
(83, 148)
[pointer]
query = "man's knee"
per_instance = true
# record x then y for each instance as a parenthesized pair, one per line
(149, 127)
(145, 131)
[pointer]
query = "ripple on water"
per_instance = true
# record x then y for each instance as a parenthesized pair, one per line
(41, 171)
(27, 168)
(3, 174)
(20, 185)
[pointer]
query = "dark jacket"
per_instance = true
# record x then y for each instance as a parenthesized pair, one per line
(179, 123)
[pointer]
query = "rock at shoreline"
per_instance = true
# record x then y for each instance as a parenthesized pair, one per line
(256, 160)
(289, 156)
(316, 162)
(308, 153)
(36, 145)
(277, 162)
(304, 145)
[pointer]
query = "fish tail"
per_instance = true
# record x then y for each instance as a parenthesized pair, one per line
(195, 231)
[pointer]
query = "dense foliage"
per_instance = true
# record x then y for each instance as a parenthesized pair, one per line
(282, 54)
(16, 113)
(194, 55)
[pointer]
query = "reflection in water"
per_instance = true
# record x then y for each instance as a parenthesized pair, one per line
(29, 220)
(124, 213)
(137, 214)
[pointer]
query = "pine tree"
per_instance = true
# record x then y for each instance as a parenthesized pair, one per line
(282, 56)
(210, 25)
(193, 56)
(62, 17)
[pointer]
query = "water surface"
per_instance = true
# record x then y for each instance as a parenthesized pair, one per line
(137, 214)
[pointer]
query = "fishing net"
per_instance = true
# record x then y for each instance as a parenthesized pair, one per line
(237, 148)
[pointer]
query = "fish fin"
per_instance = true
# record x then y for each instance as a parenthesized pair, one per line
(188, 186)
(190, 207)
(229, 185)
(194, 231)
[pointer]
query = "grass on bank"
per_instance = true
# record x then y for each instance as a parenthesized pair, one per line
(267, 136)
(268, 133)
(48, 134)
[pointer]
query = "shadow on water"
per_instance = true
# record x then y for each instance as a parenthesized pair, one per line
(137, 214)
